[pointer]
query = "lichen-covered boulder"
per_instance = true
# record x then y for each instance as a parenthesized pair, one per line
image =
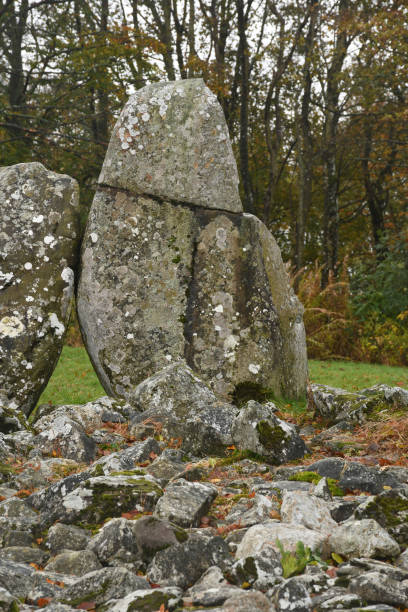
(162, 281)
(257, 429)
(39, 239)
(171, 140)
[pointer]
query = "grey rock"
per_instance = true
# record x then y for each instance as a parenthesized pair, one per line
(352, 475)
(394, 396)
(341, 510)
(375, 587)
(145, 600)
(17, 578)
(210, 590)
(337, 404)
(115, 540)
(292, 595)
(20, 442)
(258, 537)
(171, 140)
(365, 538)
(262, 571)
(67, 438)
(92, 415)
(356, 567)
(301, 508)
(139, 452)
(75, 562)
(39, 231)
(281, 486)
(345, 601)
(18, 523)
(163, 470)
(184, 503)
(152, 534)
(183, 564)
(103, 585)
(257, 429)
(322, 490)
(187, 409)
(38, 473)
(247, 512)
(99, 498)
(402, 560)
(60, 536)
(390, 510)
(25, 554)
(248, 601)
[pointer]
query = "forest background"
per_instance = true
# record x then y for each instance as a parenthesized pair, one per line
(315, 95)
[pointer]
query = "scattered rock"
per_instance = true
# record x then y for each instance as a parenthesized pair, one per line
(187, 409)
(292, 595)
(301, 508)
(101, 585)
(67, 439)
(182, 564)
(375, 587)
(152, 535)
(365, 538)
(184, 503)
(115, 540)
(75, 562)
(259, 537)
(145, 600)
(390, 510)
(257, 429)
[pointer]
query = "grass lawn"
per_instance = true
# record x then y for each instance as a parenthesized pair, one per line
(75, 382)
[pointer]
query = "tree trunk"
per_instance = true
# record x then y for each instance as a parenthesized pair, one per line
(243, 52)
(331, 207)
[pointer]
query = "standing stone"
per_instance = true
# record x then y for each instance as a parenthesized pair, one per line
(171, 267)
(39, 238)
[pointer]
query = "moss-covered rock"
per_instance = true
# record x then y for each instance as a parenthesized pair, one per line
(257, 429)
(390, 510)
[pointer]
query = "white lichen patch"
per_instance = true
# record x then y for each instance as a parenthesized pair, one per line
(219, 308)
(67, 275)
(11, 327)
(254, 368)
(28, 265)
(38, 219)
(57, 326)
(5, 279)
(93, 237)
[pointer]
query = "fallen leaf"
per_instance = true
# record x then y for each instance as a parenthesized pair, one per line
(86, 605)
(43, 601)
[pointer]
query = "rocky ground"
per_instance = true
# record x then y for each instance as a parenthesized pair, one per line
(104, 508)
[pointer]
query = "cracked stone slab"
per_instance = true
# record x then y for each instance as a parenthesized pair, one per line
(39, 240)
(171, 140)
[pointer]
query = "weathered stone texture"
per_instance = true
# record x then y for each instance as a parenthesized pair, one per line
(39, 237)
(166, 277)
(171, 140)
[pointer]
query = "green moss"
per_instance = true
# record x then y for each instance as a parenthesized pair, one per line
(129, 473)
(6, 470)
(98, 471)
(391, 506)
(270, 436)
(152, 601)
(176, 259)
(237, 456)
(314, 478)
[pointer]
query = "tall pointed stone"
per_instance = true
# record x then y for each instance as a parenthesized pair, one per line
(171, 267)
